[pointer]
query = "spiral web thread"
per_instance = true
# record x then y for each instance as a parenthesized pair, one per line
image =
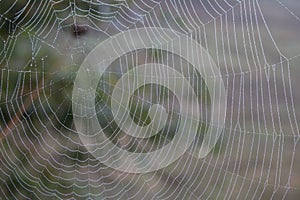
(254, 45)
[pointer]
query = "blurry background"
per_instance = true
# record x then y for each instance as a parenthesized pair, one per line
(256, 47)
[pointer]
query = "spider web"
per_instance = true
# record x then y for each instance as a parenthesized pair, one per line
(254, 45)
